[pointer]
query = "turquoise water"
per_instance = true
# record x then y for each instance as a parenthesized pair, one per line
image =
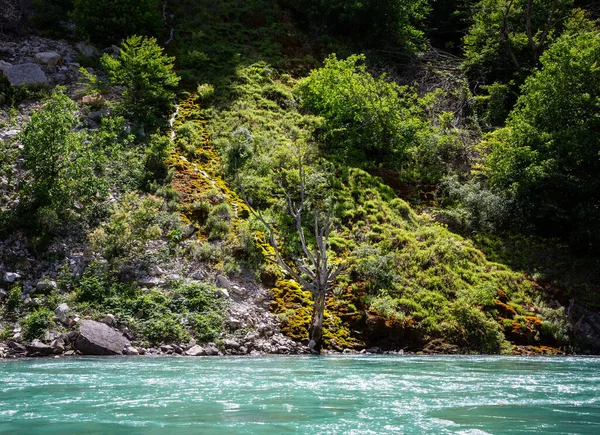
(272, 395)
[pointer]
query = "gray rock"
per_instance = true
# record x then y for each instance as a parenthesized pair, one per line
(265, 330)
(4, 65)
(234, 323)
(109, 319)
(97, 338)
(237, 290)
(149, 282)
(223, 292)
(50, 58)
(223, 282)
(211, 349)
(231, 344)
(9, 134)
(195, 351)
(58, 346)
(26, 74)
(3, 294)
(131, 351)
(11, 277)
(45, 285)
(62, 313)
(156, 271)
(37, 348)
(166, 348)
(251, 336)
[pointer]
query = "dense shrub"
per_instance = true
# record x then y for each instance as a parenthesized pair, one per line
(37, 323)
(148, 77)
(367, 119)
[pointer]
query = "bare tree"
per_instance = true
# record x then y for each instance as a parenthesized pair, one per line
(314, 271)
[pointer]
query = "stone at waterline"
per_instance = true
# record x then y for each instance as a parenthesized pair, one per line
(26, 74)
(97, 338)
(131, 351)
(58, 346)
(37, 348)
(195, 351)
(211, 349)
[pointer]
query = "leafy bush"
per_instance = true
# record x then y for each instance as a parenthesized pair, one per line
(37, 323)
(13, 301)
(134, 222)
(109, 21)
(148, 77)
(367, 119)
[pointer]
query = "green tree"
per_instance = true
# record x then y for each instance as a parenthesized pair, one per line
(508, 36)
(148, 77)
(367, 120)
(110, 21)
(61, 166)
(548, 155)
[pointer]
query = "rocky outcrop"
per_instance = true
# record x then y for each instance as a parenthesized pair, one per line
(97, 338)
(26, 74)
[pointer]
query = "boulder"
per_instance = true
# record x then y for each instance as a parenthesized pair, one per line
(45, 286)
(4, 65)
(195, 351)
(131, 351)
(109, 319)
(50, 58)
(223, 282)
(62, 313)
(11, 277)
(211, 349)
(58, 346)
(231, 344)
(37, 348)
(96, 338)
(251, 336)
(26, 74)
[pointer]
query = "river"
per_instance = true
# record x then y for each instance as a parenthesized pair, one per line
(312, 395)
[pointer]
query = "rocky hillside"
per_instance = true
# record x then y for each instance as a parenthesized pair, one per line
(140, 184)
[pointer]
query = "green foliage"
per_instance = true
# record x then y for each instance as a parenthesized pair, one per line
(497, 47)
(148, 77)
(36, 323)
(546, 158)
(367, 119)
(63, 167)
(134, 221)
(109, 21)
(13, 302)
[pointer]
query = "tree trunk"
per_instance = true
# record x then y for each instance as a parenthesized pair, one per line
(316, 324)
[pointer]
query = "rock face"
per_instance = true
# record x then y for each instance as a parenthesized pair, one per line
(96, 338)
(26, 74)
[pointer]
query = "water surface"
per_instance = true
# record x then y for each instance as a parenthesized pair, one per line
(272, 395)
